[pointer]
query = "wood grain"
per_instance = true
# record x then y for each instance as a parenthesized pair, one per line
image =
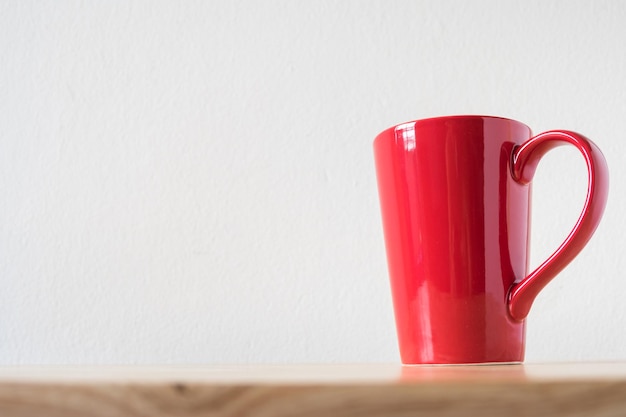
(315, 390)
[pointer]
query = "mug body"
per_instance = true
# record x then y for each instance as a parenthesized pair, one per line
(456, 227)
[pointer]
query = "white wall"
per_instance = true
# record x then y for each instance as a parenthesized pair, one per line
(193, 181)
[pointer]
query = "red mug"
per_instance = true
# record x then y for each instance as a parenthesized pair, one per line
(455, 202)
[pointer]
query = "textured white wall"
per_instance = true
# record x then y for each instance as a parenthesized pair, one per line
(194, 181)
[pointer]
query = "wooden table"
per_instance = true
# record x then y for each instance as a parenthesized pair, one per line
(575, 389)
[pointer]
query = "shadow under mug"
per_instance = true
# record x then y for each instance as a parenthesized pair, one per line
(455, 202)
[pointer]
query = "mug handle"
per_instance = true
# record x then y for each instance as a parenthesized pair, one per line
(524, 162)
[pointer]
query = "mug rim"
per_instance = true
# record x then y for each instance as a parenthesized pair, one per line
(452, 117)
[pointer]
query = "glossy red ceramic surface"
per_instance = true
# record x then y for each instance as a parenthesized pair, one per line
(455, 201)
